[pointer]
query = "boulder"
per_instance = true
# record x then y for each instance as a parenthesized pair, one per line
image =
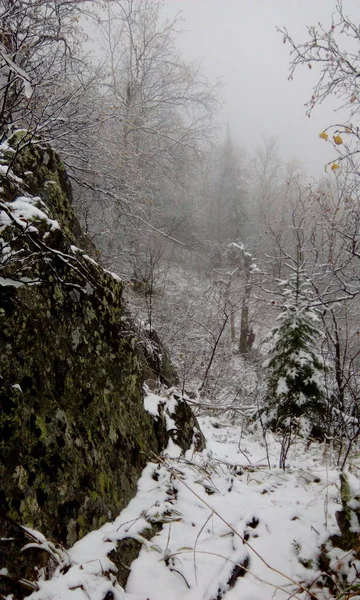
(74, 434)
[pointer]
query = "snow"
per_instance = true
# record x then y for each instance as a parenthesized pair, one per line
(354, 525)
(91, 260)
(6, 281)
(25, 209)
(114, 276)
(172, 450)
(220, 508)
(6, 171)
(151, 404)
(75, 249)
(17, 386)
(282, 387)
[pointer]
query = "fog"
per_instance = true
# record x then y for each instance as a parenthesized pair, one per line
(239, 45)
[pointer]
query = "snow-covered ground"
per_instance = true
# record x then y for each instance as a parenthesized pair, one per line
(231, 526)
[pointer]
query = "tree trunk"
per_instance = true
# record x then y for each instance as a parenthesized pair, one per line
(232, 327)
(244, 345)
(244, 327)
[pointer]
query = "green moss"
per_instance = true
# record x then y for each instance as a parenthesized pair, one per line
(22, 478)
(113, 436)
(29, 509)
(345, 491)
(40, 423)
(74, 440)
(102, 483)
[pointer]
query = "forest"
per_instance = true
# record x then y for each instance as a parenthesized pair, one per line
(239, 279)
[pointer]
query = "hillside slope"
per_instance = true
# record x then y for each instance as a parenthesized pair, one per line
(231, 527)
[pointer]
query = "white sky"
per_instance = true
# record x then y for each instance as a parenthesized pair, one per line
(238, 42)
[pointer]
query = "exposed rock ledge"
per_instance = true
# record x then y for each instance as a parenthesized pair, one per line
(74, 434)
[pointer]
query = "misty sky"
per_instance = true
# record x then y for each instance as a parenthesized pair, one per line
(238, 42)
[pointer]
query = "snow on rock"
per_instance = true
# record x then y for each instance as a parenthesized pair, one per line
(162, 408)
(6, 281)
(175, 423)
(151, 404)
(24, 209)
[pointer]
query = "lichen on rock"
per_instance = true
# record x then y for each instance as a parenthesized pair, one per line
(74, 434)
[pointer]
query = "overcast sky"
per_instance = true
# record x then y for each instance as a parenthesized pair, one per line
(238, 42)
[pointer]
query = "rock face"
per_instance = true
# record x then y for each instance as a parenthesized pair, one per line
(74, 435)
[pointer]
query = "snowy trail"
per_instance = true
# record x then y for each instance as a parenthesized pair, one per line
(230, 526)
(281, 516)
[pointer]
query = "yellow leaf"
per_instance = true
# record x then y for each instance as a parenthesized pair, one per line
(323, 135)
(337, 139)
(335, 166)
(347, 130)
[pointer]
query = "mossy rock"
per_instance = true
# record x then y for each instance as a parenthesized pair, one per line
(186, 431)
(74, 435)
(44, 175)
(127, 550)
(159, 368)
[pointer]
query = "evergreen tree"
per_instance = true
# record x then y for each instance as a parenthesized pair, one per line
(228, 212)
(296, 392)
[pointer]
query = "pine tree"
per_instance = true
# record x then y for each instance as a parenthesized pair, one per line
(296, 392)
(228, 212)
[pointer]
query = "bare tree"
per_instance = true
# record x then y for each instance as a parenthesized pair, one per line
(334, 52)
(42, 75)
(163, 108)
